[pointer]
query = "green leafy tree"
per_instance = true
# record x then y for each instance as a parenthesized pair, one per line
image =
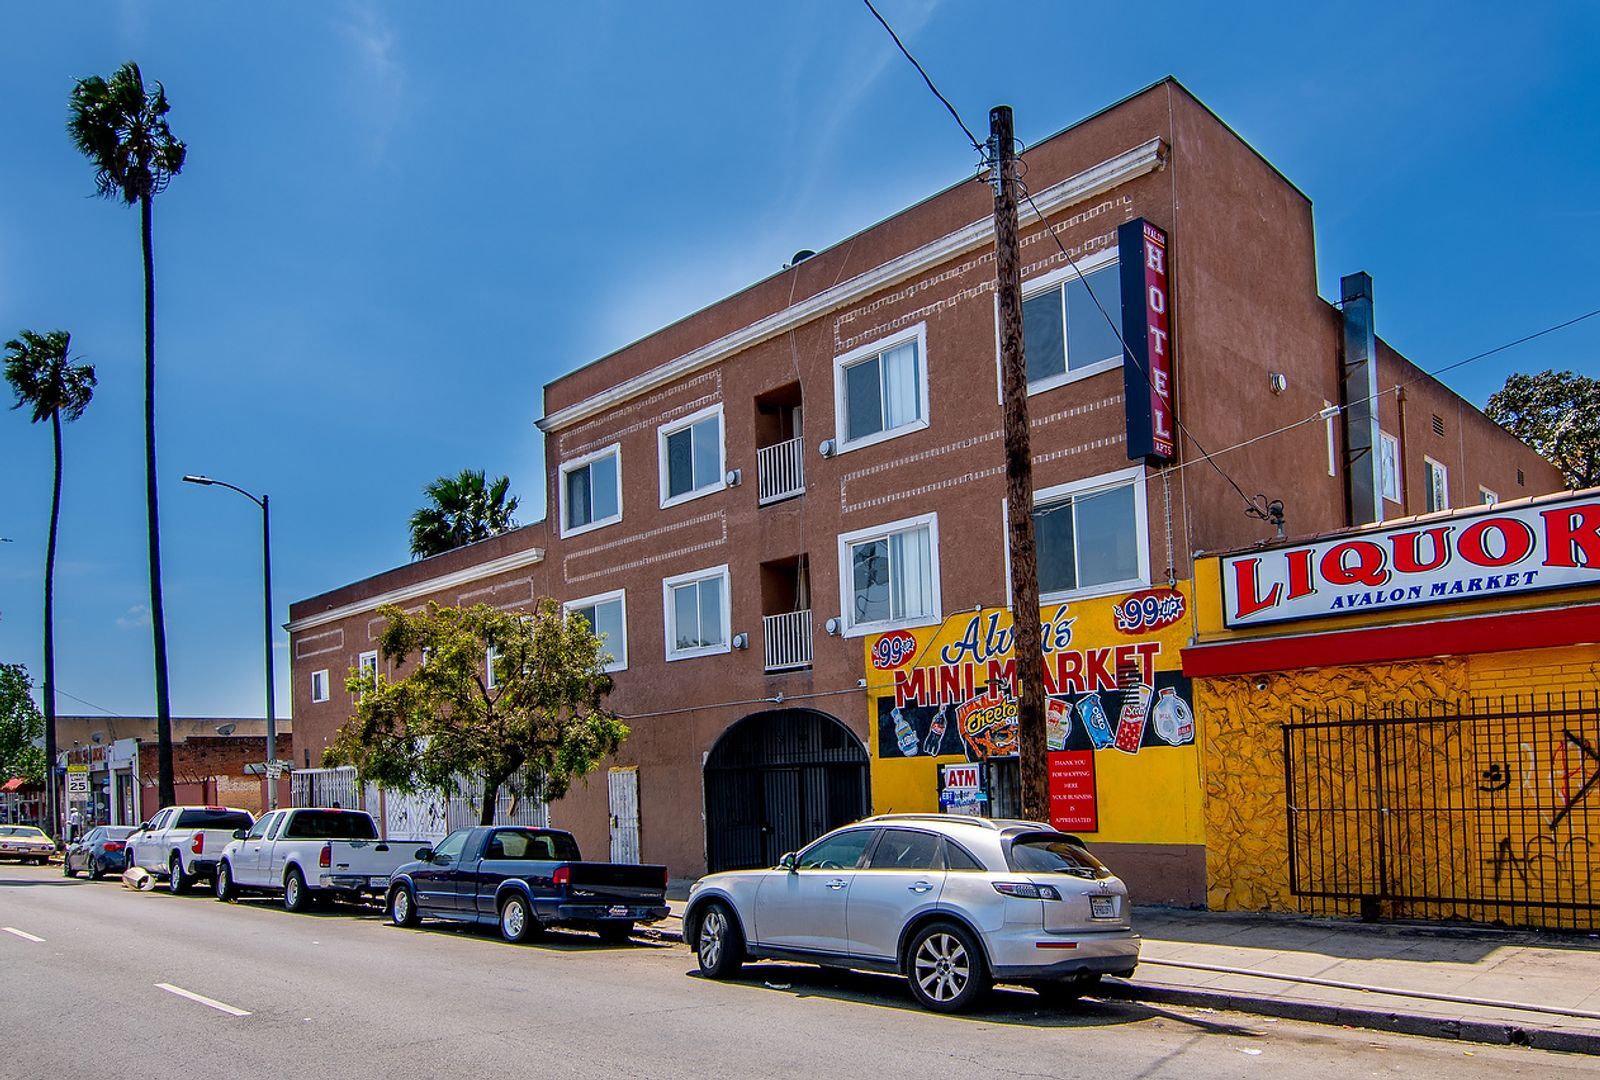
(46, 381)
(461, 509)
(1558, 414)
(446, 720)
(121, 127)
(20, 728)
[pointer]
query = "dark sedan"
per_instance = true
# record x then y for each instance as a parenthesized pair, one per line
(102, 850)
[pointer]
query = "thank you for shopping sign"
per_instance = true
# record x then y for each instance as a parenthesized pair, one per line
(1494, 551)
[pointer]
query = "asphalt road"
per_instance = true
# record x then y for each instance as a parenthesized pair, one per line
(341, 993)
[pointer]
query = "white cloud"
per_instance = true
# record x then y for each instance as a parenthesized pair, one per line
(135, 617)
(379, 77)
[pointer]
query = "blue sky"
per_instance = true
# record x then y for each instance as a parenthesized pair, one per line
(399, 220)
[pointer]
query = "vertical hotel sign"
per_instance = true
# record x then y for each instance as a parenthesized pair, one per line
(1147, 332)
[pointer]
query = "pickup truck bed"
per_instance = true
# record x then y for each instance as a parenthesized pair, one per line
(525, 880)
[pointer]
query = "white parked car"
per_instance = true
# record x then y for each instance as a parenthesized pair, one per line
(183, 843)
(955, 904)
(308, 852)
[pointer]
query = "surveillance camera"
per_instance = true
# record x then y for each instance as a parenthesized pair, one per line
(1261, 684)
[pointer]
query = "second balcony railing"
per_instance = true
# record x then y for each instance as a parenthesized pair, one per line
(787, 640)
(782, 471)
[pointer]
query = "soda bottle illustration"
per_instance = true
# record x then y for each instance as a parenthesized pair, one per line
(1135, 710)
(904, 733)
(1057, 723)
(1172, 718)
(1092, 715)
(930, 746)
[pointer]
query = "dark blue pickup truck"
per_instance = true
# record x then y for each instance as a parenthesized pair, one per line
(525, 880)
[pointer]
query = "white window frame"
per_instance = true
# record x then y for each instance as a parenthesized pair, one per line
(490, 655)
(584, 462)
(668, 584)
(1487, 496)
(917, 333)
(319, 678)
(1038, 284)
(678, 425)
(1444, 477)
(846, 578)
(1089, 486)
(619, 656)
(1385, 441)
(363, 660)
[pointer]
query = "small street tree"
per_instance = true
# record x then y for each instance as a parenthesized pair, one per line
(20, 727)
(461, 509)
(51, 387)
(1558, 414)
(544, 707)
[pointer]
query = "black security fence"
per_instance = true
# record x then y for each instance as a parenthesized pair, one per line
(1484, 811)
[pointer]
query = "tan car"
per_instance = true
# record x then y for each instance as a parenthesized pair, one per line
(25, 844)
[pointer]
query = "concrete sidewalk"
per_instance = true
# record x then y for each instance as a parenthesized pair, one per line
(1506, 968)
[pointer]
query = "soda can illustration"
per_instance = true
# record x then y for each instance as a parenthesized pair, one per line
(935, 732)
(904, 734)
(1057, 723)
(1172, 718)
(1092, 715)
(1131, 721)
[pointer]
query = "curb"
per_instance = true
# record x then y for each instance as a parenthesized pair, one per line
(1491, 1032)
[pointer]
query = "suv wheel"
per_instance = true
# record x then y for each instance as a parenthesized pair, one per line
(177, 881)
(718, 945)
(945, 966)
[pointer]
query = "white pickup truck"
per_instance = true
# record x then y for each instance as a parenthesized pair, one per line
(182, 843)
(310, 852)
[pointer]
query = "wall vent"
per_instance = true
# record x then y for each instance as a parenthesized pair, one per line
(1438, 424)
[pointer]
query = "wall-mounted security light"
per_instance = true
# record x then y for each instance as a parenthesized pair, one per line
(827, 448)
(1277, 382)
(733, 477)
(831, 626)
(741, 641)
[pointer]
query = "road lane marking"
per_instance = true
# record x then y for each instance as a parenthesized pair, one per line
(202, 999)
(20, 933)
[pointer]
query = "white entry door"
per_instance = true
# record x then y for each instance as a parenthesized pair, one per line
(622, 786)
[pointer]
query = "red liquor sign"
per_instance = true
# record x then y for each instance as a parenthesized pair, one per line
(1147, 371)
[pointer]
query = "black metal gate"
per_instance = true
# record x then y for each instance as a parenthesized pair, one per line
(1483, 811)
(777, 780)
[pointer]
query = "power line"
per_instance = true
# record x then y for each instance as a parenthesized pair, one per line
(973, 139)
(91, 704)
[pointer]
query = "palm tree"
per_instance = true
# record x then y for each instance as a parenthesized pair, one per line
(41, 373)
(460, 510)
(122, 129)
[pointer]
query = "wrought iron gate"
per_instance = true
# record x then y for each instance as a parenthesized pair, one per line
(1483, 811)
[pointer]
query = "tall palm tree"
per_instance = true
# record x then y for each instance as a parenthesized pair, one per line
(461, 509)
(40, 371)
(122, 129)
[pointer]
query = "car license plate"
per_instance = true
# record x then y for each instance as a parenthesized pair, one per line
(617, 910)
(1103, 907)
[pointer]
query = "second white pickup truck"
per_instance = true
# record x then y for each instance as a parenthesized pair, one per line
(310, 852)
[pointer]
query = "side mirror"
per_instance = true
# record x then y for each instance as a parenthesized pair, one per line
(240, 834)
(790, 862)
(424, 854)
(144, 826)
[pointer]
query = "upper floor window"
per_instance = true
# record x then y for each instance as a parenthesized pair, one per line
(1389, 461)
(889, 576)
(1091, 535)
(591, 491)
(319, 685)
(697, 613)
(490, 659)
(607, 616)
(691, 456)
(881, 390)
(1066, 336)
(1487, 497)
(1438, 478)
(368, 663)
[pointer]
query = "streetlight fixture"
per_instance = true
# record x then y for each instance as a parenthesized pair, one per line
(266, 583)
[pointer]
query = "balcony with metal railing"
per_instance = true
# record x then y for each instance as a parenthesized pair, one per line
(787, 640)
(781, 471)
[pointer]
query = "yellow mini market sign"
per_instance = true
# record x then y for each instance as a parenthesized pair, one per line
(1120, 724)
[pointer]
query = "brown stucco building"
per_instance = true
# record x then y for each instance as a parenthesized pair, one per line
(741, 498)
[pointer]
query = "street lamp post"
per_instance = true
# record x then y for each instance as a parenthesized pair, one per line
(266, 587)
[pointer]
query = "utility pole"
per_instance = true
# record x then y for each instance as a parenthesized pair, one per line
(1027, 650)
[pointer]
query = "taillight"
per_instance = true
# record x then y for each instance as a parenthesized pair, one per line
(562, 875)
(326, 858)
(1027, 890)
(198, 844)
(114, 845)
(666, 877)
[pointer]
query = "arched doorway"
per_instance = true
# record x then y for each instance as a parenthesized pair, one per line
(777, 780)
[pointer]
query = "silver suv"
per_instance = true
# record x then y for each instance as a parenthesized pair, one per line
(955, 904)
